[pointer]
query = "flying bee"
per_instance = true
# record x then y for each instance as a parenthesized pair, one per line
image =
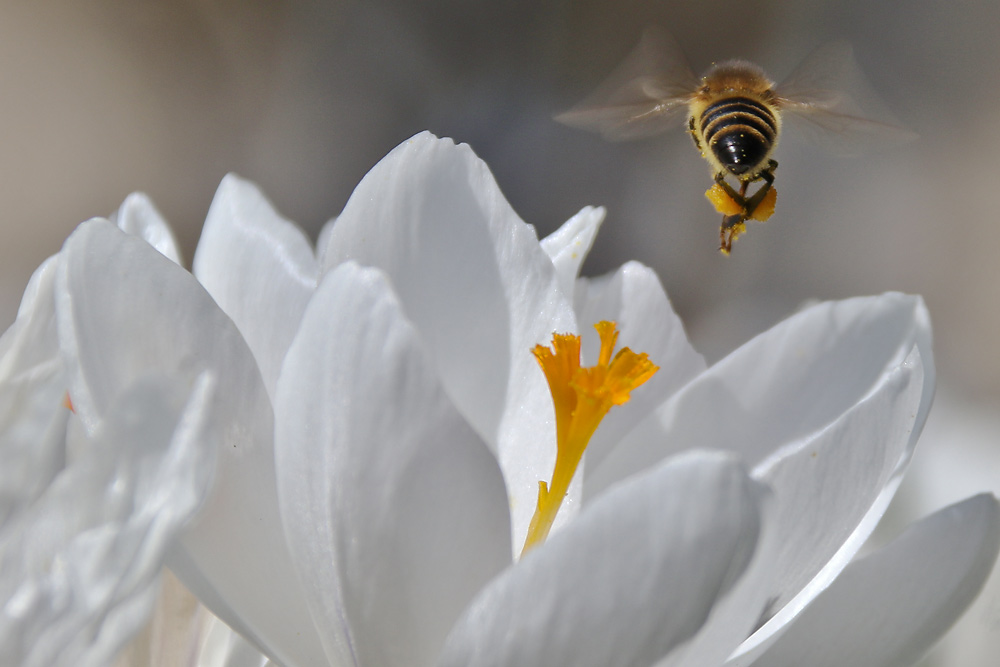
(734, 114)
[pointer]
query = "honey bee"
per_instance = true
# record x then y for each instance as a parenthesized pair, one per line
(734, 114)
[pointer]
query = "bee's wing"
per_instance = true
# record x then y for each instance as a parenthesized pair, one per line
(647, 94)
(828, 100)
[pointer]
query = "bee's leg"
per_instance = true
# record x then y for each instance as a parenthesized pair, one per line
(733, 225)
(738, 197)
(741, 199)
(768, 177)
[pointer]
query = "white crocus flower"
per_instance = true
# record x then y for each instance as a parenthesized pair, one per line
(386, 428)
(88, 514)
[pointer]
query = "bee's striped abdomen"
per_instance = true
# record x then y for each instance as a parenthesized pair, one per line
(740, 132)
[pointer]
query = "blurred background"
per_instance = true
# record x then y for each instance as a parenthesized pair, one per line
(103, 98)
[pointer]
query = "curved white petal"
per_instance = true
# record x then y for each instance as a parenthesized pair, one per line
(221, 647)
(830, 490)
(886, 609)
(323, 240)
(632, 578)
(259, 267)
(473, 280)
(634, 298)
(736, 613)
(80, 564)
(834, 371)
(395, 509)
(31, 345)
(139, 216)
(171, 636)
(125, 311)
(782, 386)
(32, 439)
(569, 245)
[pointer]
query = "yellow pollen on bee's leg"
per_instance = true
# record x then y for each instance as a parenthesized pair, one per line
(721, 200)
(765, 209)
(582, 396)
(728, 234)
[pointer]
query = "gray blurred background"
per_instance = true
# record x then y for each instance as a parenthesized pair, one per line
(103, 98)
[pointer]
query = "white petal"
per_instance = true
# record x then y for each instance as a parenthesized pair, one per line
(784, 392)
(782, 386)
(569, 245)
(31, 345)
(124, 312)
(259, 268)
(138, 216)
(886, 609)
(831, 489)
(323, 240)
(630, 579)
(32, 389)
(394, 507)
(473, 280)
(32, 438)
(80, 566)
(634, 298)
(736, 613)
(221, 647)
(172, 633)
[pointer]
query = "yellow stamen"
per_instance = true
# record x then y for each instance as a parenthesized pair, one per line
(582, 397)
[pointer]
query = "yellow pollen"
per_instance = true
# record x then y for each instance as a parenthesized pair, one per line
(765, 209)
(721, 200)
(582, 397)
